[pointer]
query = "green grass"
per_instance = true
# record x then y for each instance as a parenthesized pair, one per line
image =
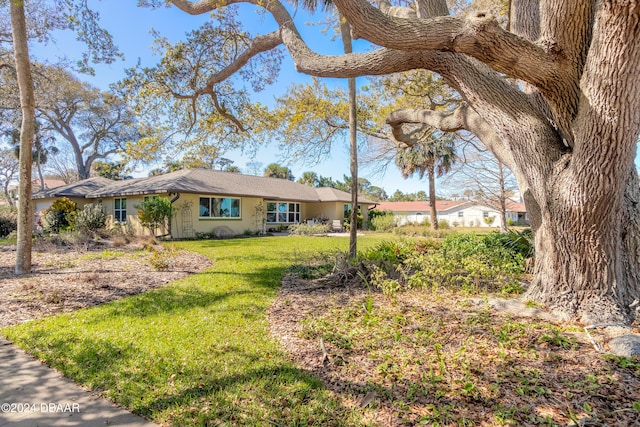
(197, 351)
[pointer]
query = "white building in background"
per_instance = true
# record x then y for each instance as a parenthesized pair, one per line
(457, 213)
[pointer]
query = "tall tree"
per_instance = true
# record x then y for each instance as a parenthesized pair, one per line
(42, 148)
(112, 170)
(567, 130)
(275, 170)
(99, 49)
(182, 108)
(95, 124)
(433, 156)
(9, 167)
(27, 108)
(309, 178)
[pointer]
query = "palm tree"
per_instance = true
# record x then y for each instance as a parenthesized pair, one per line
(433, 156)
(41, 151)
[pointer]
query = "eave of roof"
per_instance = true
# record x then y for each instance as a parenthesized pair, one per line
(202, 181)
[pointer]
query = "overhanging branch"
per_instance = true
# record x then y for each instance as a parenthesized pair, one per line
(477, 35)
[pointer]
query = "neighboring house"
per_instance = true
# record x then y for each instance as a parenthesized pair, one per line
(462, 213)
(205, 200)
(49, 183)
(517, 212)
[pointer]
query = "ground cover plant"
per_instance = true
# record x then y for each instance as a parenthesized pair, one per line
(438, 352)
(198, 351)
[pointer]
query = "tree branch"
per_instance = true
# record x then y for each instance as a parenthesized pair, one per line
(477, 35)
(463, 118)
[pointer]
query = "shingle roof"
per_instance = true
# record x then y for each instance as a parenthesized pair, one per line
(516, 207)
(76, 189)
(205, 181)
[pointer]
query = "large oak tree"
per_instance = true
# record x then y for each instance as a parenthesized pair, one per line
(554, 98)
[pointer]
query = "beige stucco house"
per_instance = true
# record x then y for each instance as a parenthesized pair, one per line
(205, 200)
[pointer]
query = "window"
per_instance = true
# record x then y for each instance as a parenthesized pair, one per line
(485, 214)
(219, 207)
(120, 210)
(461, 214)
(346, 211)
(287, 212)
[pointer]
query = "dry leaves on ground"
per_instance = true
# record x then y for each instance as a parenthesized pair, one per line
(441, 358)
(65, 279)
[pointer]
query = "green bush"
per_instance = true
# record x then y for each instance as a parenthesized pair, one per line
(517, 241)
(386, 222)
(462, 261)
(8, 220)
(60, 216)
(443, 224)
(155, 212)
(304, 229)
(91, 218)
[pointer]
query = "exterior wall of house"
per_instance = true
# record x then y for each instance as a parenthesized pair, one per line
(40, 205)
(132, 224)
(409, 217)
(331, 211)
(472, 216)
(187, 220)
(469, 216)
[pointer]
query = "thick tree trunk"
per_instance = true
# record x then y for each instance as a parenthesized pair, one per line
(27, 130)
(588, 263)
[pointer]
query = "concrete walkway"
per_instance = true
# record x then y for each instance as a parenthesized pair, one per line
(33, 395)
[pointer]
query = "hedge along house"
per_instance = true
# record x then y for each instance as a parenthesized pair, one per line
(205, 201)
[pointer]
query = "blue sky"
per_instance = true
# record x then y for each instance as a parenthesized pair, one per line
(130, 27)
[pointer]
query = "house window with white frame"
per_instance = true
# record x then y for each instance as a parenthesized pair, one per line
(219, 207)
(120, 210)
(283, 212)
(460, 214)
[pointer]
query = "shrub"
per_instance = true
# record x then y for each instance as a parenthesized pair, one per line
(462, 261)
(304, 229)
(8, 220)
(163, 257)
(517, 241)
(154, 212)
(443, 224)
(386, 222)
(61, 215)
(91, 218)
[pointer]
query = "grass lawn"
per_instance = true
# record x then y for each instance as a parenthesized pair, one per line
(197, 351)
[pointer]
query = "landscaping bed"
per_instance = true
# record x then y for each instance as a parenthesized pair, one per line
(65, 279)
(441, 357)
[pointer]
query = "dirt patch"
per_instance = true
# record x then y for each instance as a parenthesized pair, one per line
(67, 279)
(441, 358)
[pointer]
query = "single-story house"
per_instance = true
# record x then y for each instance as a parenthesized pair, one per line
(457, 213)
(206, 199)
